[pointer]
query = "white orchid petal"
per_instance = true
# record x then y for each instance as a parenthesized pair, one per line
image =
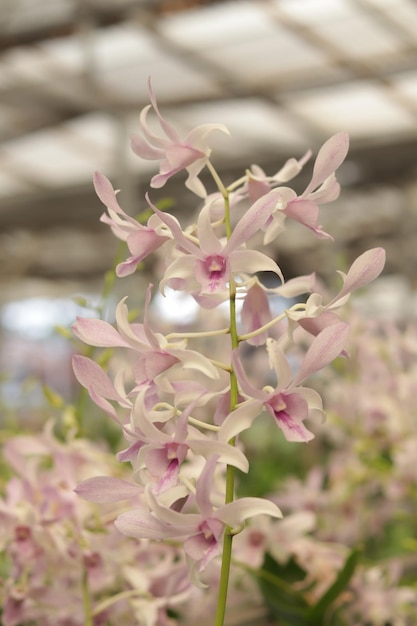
(237, 512)
(141, 524)
(180, 523)
(190, 359)
(240, 419)
(209, 243)
(252, 261)
(279, 362)
(225, 452)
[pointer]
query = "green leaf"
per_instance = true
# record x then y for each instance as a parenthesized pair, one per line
(316, 613)
(53, 398)
(285, 604)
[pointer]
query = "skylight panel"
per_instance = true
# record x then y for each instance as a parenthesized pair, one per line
(365, 110)
(360, 36)
(316, 11)
(260, 57)
(252, 123)
(24, 15)
(407, 84)
(10, 185)
(115, 46)
(48, 159)
(218, 24)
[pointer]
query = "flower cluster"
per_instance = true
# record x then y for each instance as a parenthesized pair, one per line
(56, 549)
(66, 564)
(182, 411)
(361, 492)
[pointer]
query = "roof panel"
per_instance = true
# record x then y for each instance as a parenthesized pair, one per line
(313, 12)
(117, 45)
(403, 12)
(11, 184)
(219, 24)
(49, 159)
(253, 124)
(359, 36)
(24, 15)
(279, 73)
(364, 109)
(262, 56)
(406, 84)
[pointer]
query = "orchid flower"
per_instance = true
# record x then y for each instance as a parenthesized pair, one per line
(180, 411)
(288, 403)
(141, 240)
(207, 269)
(174, 153)
(256, 312)
(161, 445)
(318, 316)
(99, 386)
(322, 188)
(258, 183)
(156, 354)
(202, 531)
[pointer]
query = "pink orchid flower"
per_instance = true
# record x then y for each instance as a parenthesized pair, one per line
(323, 188)
(258, 183)
(175, 154)
(317, 316)
(255, 309)
(99, 386)
(255, 313)
(208, 268)
(156, 355)
(141, 240)
(167, 448)
(288, 403)
(203, 530)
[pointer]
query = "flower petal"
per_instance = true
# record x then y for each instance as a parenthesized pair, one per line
(325, 348)
(225, 452)
(104, 489)
(254, 219)
(240, 419)
(234, 513)
(141, 524)
(279, 362)
(97, 333)
(252, 261)
(331, 155)
(91, 376)
(363, 270)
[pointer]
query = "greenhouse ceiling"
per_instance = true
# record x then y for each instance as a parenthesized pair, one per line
(283, 75)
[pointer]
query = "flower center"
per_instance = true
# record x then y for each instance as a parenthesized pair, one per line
(278, 404)
(281, 204)
(215, 265)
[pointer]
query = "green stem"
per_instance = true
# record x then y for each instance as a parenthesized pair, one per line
(86, 598)
(230, 471)
(198, 335)
(271, 323)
